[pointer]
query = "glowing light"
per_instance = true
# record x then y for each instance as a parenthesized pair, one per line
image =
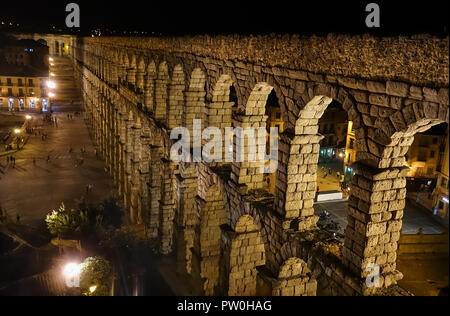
(52, 74)
(445, 200)
(341, 155)
(17, 131)
(28, 117)
(50, 59)
(51, 84)
(51, 94)
(71, 270)
(93, 288)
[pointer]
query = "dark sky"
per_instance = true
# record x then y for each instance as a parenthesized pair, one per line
(174, 17)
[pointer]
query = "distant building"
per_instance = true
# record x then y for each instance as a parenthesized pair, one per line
(23, 76)
(350, 152)
(333, 126)
(440, 193)
(423, 156)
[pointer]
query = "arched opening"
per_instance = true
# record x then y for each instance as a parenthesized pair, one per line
(376, 240)
(213, 215)
(57, 48)
(274, 120)
(334, 170)
(176, 98)
(243, 252)
(161, 92)
(42, 41)
(423, 246)
(249, 164)
(149, 90)
(220, 112)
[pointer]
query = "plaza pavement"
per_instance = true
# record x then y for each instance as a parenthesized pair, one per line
(32, 191)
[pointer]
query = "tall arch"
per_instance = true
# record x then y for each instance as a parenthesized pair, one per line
(254, 116)
(378, 191)
(220, 110)
(176, 97)
(242, 252)
(149, 90)
(161, 93)
(195, 100)
(211, 208)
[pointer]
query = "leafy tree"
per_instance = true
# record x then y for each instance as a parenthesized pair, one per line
(64, 221)
(96, 277)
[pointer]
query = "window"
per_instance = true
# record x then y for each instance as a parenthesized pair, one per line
(432, 154)
(352, 143)
(10, 92)
(30, 82)
(8, 81)
(443, 182)
(21, 92)
(422, 155)
(424, 141)
(430, 170)
(20, 82)
(435, 140)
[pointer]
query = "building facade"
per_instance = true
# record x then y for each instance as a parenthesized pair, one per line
(24, 76)
(24, 93)
(423, 156)
(440, 193)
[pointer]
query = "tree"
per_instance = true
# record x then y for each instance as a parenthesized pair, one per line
(64, 221)
(96, 277)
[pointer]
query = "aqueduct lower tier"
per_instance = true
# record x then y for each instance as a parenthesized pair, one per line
(227, 231)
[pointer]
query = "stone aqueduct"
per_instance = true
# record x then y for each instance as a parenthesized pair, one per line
(227, 231)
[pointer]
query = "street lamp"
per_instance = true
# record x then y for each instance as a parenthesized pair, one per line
(51, 94)
(71, 273)
(28, 117)
(17, 131)
(51, 84)
(92, 288)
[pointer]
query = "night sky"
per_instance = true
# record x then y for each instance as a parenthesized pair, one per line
(224, 17)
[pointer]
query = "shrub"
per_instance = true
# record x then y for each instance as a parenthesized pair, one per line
(95, 274)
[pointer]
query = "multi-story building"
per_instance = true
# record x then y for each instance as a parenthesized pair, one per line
(333, 127)
(24, 76)
(350, 152)
(440, 193)
(423, 156)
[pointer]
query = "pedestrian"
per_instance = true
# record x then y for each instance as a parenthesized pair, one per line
(48, 159)
(18, 218)
(96, 153)
(70, 150)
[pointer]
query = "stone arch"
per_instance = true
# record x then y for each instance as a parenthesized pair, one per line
(176, 97)
(195, 106)
(149, 90)
(212, 212)
(220, 109)
(254, 116)
(161, 92)
(131, 70)
(140, 74)
(242, 252)
(378, 191)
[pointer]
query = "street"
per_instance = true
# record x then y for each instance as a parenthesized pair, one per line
(413, 218)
